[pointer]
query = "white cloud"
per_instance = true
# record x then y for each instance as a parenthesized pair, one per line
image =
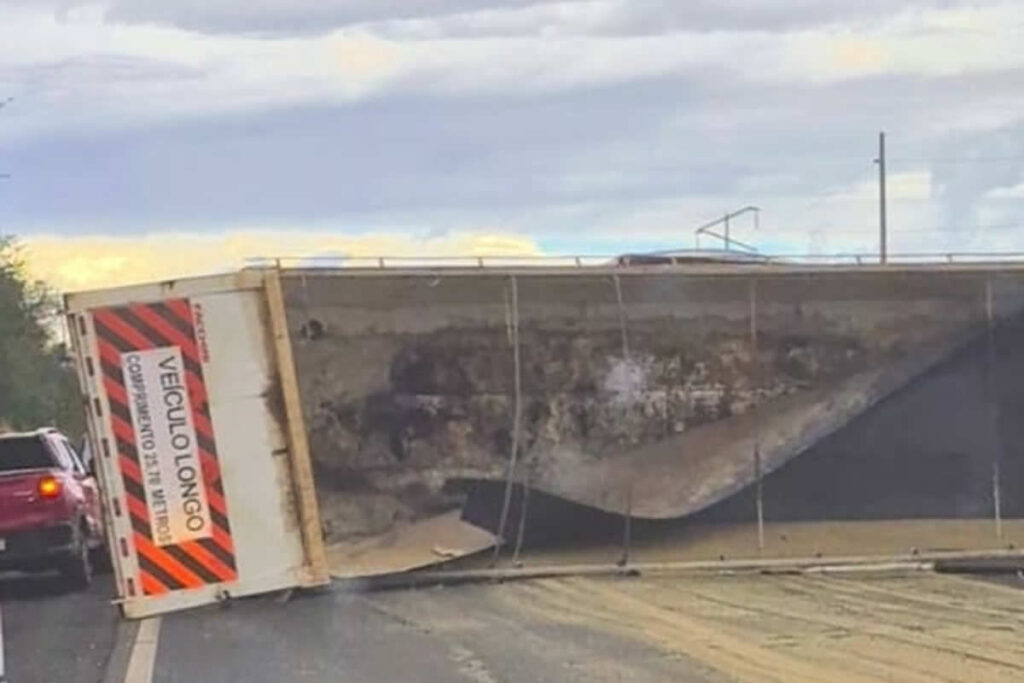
(1010, 192)
(113, 74)
(94, 261)
(473, 18)
(609, 122)
(909, 185)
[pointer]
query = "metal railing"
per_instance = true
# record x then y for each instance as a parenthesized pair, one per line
(681, 258)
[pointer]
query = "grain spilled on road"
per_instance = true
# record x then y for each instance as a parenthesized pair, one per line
(792, 629)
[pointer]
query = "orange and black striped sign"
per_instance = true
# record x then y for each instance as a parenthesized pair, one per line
(152, 371)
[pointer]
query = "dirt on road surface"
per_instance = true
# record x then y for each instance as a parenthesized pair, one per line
(920, 627)
(916, 627)
(842, 626)
(682, 541)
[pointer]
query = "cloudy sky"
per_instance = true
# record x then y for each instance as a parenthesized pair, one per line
(155, 138)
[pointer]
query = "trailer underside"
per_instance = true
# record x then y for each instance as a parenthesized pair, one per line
(657, 394)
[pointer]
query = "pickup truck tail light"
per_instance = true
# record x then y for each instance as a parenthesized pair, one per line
(49, 487)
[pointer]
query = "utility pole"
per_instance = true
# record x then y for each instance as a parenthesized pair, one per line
(882, 217)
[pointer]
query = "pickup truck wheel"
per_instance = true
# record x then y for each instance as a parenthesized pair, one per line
(77, 568)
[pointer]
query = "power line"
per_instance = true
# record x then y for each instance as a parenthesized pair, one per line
(958, 160)
(790, 162)
(913, 231)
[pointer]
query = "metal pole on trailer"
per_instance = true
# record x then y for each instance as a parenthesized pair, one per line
(627, 528)
(758, 484)
(521, 532)
(517, 418)
(627, 523)
(993, 403)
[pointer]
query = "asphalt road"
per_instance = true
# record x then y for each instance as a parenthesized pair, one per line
(855, 628)
(431, 636)
(52, 635)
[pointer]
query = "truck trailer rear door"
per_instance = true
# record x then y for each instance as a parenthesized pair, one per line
(188, 421)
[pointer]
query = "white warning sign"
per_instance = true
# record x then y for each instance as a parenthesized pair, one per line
(165, 437)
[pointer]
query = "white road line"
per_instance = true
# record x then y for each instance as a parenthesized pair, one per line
(3, 670)
(140, 665)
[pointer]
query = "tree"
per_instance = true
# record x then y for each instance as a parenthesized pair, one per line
(37, 385)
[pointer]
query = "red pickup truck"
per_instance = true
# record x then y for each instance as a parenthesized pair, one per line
(49, 507)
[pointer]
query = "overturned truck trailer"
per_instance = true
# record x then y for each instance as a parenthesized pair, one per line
(268, 428)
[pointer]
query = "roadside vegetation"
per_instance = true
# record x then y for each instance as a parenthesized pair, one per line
(37, 383)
